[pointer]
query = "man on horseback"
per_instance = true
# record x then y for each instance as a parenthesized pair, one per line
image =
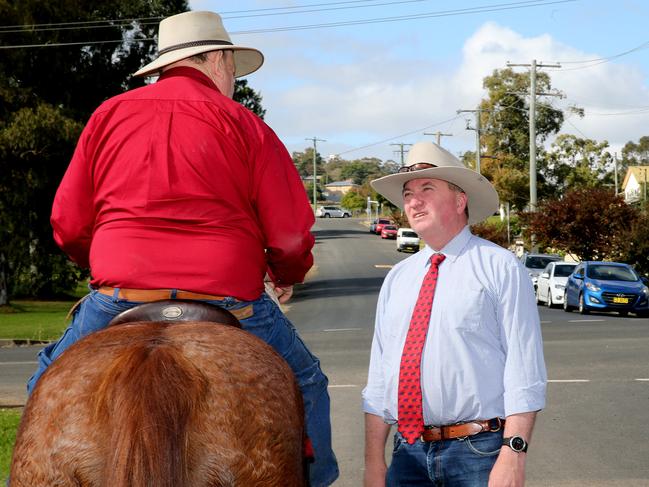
(177, 192)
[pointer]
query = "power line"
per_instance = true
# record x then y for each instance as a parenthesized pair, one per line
(425, 15)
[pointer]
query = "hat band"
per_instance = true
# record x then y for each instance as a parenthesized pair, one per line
(185, 45)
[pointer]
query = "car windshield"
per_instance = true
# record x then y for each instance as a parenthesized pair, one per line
(563, 270)
(538, 262)
(409, 234)
(389, 227)
(383, 222)
(611, 273)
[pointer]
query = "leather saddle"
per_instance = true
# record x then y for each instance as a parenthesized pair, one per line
(176, 311)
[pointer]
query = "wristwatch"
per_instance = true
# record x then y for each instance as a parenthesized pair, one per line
(516, 443)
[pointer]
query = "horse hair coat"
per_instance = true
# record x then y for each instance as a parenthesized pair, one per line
(152, 404)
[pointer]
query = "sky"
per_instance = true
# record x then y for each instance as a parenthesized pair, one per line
(364, 86)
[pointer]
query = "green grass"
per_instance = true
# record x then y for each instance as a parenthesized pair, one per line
(9, 419)
(34, 320)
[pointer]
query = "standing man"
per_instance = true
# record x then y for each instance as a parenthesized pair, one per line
(457, 358)
(177, 191)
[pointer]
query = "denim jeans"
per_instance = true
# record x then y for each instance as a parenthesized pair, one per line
(268, 323)
(462, 462)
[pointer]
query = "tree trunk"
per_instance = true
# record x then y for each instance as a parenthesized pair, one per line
(4, 295)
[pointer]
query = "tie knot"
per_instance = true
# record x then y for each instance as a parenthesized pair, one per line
(437, 259)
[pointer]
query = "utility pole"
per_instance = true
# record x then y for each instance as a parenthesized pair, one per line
(315, 151)
(615, 167)
(477, 133)
(439, 136)
(401, 149)
(533, 94)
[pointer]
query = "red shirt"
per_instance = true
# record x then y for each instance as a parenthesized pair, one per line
(174, 185)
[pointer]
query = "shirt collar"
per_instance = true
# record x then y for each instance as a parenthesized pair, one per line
(189, 73)
(453, 248)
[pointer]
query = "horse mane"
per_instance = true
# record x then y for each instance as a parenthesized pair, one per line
(149, 431)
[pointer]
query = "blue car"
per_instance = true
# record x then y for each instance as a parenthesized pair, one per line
(606, 286)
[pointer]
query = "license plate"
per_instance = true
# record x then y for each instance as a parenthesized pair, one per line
(621, 300)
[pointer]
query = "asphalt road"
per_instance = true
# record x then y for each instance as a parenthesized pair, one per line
(594, 431)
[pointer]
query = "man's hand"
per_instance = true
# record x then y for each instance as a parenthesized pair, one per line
(509, 470)
(283, 293)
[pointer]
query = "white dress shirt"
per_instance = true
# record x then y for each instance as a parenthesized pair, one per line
(483, 356)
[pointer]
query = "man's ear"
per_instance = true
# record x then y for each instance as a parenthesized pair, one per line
(462, 200)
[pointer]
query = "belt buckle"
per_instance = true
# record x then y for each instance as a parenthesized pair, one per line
(499, 426)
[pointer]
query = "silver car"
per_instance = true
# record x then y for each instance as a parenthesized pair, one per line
(535, 263)
(551, 283)
(332, 212)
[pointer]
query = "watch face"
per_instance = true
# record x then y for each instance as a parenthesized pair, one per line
(518, 443)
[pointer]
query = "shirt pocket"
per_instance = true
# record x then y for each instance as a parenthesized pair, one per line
(466, 310)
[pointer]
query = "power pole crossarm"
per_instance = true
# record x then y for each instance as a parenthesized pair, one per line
(401, 146)
(439, 136)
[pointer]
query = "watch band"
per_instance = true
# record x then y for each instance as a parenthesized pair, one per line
(516, 443)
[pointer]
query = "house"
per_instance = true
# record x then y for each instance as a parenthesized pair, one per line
(635, 184)
(336, 190)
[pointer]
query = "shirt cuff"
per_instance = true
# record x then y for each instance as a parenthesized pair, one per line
(525, 400)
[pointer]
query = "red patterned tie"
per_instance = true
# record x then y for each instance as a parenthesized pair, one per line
(411, 418)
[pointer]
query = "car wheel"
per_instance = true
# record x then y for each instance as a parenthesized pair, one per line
(327, 215)
(582, 306)
(549, 302)
(566, 307)
(642, 314)
(536, 297)
(346, 215)
(623, 313)
(398, 249)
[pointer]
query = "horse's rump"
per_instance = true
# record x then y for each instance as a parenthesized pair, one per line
(192, 404)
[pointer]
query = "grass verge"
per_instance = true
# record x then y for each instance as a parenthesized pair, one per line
(9, 419)
(34, 320)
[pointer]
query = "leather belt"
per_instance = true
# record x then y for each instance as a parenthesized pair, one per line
(147, 295)
(433, 433)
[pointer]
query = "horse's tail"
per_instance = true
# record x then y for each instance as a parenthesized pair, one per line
(147, 397)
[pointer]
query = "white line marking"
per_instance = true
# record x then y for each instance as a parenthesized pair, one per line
(342, 329)
(642, 380)
(18, 363)
(568, 380)
(583, 321)
(545, 322)
(343, 386)
(383, 266)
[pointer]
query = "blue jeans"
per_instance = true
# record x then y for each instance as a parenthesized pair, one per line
(465, 462)
(268, 323)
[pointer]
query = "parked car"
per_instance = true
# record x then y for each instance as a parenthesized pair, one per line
(551, 283)
(535, 263)
(380, 223)
(389, 231)
(407, 239)
(606, 286)
(332, 212)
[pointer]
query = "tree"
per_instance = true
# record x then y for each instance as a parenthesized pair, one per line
(250, 99)
(361, 170)
(505, 125)
(319, 193)
(591, 223)
(304, 162)
(353, 200)
(574, 162)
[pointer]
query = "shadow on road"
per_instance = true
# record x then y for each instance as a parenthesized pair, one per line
(338, 287)
(329, 234)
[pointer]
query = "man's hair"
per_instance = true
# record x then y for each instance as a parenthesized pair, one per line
(199, 58)
(457, 189)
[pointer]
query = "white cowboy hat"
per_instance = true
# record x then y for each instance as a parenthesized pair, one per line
(482, 196)
(190, 33)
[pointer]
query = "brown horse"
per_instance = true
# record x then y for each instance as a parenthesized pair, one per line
(152, 404)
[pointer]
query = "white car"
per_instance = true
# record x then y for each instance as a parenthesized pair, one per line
(332, 212)
(551, 282)
(407, 239)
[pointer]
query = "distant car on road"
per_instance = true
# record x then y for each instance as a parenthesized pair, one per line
(606, 286)
(407, 239)
(535, 263)
(380, 223)
(332, 212)
(389, 231)
(551, 283)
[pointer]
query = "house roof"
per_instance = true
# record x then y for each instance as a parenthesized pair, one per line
(640, 173)
(348, 182)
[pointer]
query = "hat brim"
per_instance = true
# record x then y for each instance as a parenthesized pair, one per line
(246, 59)
(482, 196)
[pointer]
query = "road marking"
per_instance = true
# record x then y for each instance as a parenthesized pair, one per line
(642, 380)
(341, 386)
(583, 321)
(545, 322)
(568, 380)
(384, 266)
(343, 329)
(18, 363)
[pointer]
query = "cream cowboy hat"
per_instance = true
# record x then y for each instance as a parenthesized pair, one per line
(190, 33)
(482, 196)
